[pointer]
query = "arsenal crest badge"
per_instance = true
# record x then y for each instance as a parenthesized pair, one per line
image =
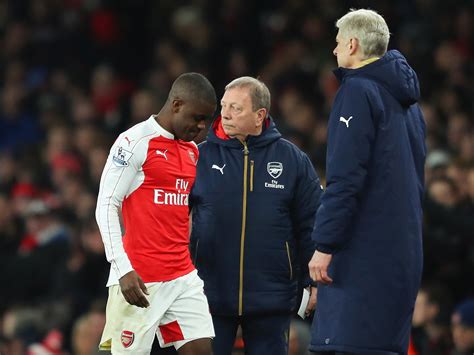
(192, 156)
(274, 169)
(127, 338)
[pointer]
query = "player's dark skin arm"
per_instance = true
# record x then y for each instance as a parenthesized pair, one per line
(134, 289)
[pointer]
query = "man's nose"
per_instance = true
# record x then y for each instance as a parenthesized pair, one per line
(225, 113)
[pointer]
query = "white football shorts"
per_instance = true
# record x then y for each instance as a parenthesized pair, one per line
(178, 313)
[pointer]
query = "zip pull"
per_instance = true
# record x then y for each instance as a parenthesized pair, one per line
(246, 149)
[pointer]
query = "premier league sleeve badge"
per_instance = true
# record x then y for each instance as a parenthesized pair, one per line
(121, 157)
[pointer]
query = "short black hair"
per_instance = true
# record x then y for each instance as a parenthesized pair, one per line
(193, 86)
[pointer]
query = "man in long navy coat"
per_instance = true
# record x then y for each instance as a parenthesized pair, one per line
(368, 258)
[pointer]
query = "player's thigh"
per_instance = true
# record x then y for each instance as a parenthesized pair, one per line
(188, 317)
(266, 334)
(131, 329)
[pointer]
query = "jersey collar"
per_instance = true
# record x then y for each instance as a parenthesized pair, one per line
(161, 131)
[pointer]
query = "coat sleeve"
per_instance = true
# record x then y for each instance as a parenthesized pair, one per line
(305, 204)
(351, 134)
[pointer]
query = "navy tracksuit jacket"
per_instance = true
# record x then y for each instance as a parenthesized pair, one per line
(370, 216)
(253, 214)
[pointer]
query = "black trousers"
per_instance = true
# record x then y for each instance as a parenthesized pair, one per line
(266, 334)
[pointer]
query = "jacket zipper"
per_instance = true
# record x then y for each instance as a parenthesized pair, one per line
(251, 175)
(242, 235)
(289, 260)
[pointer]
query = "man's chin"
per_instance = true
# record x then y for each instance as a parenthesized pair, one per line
(189, 137)
(229, 132)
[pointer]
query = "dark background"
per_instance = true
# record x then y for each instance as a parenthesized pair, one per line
(75, 73)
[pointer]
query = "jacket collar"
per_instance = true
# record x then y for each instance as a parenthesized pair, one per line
(217, 135)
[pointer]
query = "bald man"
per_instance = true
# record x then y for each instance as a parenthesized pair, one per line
(153, 285)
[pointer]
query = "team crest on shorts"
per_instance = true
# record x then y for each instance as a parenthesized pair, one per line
(127, 338)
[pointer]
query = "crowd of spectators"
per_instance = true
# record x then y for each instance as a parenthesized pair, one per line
(75, 73)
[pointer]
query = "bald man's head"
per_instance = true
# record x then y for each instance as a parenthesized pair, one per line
(191, 102)
(193, 87)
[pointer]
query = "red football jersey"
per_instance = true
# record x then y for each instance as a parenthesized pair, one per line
(148, 177)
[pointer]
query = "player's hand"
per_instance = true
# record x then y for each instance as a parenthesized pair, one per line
(311, 306)
(134, 289)
(318, 267)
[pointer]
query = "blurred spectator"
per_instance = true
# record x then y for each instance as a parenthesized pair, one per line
(96, 158)
(83, 109)
(87, 331)
(142, 103)
(34, 331)
(470, 184)
(7, 172)
(431, 329)
(462, 323)
(58, 142)
(18, 128)
(31, 272)
(86, 258)
(105, 90)
(448, 235)
(300, 336)
(436, 164)
(11, 228)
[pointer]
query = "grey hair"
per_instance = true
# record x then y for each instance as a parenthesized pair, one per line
(259, 93)
(369, 28)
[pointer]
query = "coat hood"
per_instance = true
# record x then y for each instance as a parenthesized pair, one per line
(269, 134)
(393, 73)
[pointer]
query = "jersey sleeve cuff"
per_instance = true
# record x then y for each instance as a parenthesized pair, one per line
(121, 266)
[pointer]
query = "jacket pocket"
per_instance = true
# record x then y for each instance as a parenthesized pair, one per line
(289, 260)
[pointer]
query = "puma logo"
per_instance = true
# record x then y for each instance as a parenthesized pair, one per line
(214, 166)
(128, 140)
(342, 119)
(159, 152)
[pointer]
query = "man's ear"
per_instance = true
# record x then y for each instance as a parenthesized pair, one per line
(176, 105)
(353, 45)
(261, 115)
